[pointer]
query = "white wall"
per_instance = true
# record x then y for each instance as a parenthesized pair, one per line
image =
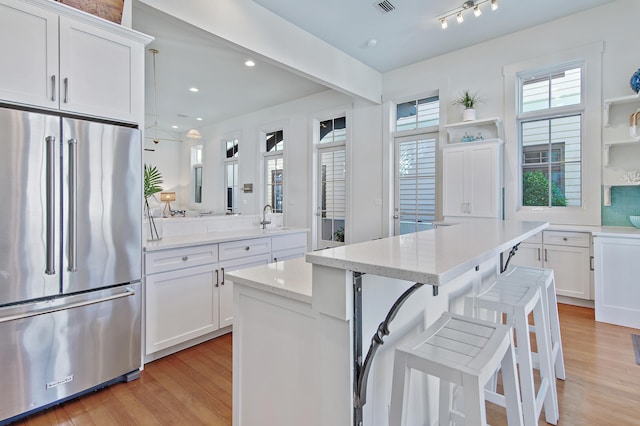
(480, 68)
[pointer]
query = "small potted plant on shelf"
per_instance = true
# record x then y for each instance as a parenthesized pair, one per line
(469, 101)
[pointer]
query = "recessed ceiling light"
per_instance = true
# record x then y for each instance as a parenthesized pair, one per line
(372, 43)
(250, 63)
(174, 127)
(193, 89)
(199, 118)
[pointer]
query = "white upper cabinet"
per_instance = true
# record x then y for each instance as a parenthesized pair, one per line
(62, 59)
(98, 71)
(29, 51)
(472, 179)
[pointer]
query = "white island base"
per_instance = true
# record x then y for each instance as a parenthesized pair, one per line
(297, 325)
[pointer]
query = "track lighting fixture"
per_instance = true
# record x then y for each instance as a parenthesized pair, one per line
(458, 11)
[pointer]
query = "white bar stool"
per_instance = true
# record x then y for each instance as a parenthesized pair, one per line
(517, 302)
(542, 278)
(462, 351)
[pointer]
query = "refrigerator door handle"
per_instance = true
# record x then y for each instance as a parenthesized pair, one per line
(128, 292)
(51, 202)
(73, 205)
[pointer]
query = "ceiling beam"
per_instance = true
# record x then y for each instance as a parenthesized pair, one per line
(258, 31)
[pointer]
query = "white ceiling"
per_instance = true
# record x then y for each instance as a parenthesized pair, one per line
(410, 33)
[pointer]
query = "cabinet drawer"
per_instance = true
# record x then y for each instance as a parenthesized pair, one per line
(283, 242)
(236, 249)
(286, 254)
(168, 260)
(573, 239)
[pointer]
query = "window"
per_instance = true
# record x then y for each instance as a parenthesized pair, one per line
(333, 131)
(550, 121)
(415, 183)
(415, 164)
(274, 167)
(331, 189)
(231, 175)
(418, 113)
(196, 167)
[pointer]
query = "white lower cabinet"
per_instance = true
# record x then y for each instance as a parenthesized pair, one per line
(180, 305)
(187, 295)
(568, 254)
(226, 285)
(285, 247)
(617, 268)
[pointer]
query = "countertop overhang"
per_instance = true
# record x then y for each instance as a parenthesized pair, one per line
(430, 257)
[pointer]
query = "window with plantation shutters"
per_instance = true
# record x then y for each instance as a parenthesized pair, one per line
(415, 182)
(231, 175)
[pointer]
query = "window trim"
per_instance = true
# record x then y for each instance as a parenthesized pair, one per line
(225, 162)
(589, 213)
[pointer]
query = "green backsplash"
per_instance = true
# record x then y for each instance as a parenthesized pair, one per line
(625, 202)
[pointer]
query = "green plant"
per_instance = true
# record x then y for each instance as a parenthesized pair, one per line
(152, 181)
(338, 235)
(535, 190)
(468, 99)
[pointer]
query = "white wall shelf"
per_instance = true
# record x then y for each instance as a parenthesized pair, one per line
(617, 101)
(490, 129)
(608, 145)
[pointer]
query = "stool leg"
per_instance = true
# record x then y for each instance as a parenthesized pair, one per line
(511, 388)
(543, 340)
(444, 404)
(556, 339)
(525, 362)
(474, 405)
(399, 388)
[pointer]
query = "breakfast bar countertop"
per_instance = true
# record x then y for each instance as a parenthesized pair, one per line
(431, 257)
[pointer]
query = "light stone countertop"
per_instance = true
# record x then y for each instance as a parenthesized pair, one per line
(431, 257)
(617, 231)
(289, 278)
(187, 240)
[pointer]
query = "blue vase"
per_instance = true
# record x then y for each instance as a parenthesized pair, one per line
(635, 81)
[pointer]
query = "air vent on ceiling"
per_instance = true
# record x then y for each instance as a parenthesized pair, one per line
(386, 6)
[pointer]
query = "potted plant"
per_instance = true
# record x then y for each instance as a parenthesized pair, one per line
(152, 181)
(469, 101)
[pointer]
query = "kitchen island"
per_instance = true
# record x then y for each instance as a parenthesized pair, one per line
(302, 330)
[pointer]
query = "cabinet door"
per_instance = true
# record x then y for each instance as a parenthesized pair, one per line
(98, 71)
(29, 52)
(617, 298)
(453, 182)
(226, 285)
(483, 192)
(180, 305)
(572, 270)
(528, 254)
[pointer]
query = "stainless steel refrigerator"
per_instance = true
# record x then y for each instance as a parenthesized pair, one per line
(70, 257)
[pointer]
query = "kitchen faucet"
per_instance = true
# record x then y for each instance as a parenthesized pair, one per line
(265, 222)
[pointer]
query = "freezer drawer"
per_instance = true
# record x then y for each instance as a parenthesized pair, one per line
(54, 349)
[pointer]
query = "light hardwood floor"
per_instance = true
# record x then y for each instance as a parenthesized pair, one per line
(194, 386)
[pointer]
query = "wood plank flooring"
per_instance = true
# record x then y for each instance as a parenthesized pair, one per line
(193, 387)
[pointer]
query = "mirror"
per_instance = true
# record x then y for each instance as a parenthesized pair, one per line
(189, 57)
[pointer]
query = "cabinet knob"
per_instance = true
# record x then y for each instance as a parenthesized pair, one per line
(247, 248)
(185, 258)
(564, 239)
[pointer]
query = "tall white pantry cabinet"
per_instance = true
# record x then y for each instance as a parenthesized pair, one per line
(472, 171)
